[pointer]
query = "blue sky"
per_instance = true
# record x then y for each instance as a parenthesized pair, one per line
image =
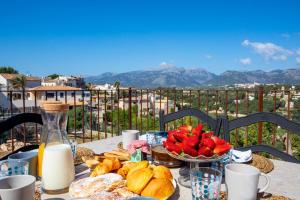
(92, 37)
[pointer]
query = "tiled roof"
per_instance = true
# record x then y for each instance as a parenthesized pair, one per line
(13, 76)
(54, 88)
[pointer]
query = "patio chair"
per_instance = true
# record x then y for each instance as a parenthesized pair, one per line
(263, 117)
(19, 119)
(215, 124)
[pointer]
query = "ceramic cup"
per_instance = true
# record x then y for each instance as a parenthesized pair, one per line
(242, 182)
(19, 187)
(129, 136)
(30, 157)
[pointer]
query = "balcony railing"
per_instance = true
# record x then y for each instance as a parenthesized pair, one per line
(98, 114)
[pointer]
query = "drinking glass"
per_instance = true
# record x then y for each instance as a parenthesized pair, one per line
(13, 167)
(220, 165)
(205, 183)
(73, 144)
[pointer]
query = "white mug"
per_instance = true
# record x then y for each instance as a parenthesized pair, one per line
(129, 136)
(241, 182)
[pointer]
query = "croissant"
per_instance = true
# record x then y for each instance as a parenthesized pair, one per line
(162, 172)
(100, 170)
(138, 179)
(138, 165)
(159, 188)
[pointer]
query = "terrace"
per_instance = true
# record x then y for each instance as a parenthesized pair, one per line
(97, 118)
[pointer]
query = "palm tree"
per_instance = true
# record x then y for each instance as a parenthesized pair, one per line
(19, 82)
(117, 84)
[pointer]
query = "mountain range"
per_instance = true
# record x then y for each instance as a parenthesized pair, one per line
(186, 77)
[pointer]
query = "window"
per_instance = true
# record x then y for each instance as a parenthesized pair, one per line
(72, 94)
(50, 95)
(61, 95)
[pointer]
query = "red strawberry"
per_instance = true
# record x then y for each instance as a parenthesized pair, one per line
(185, 128)
(217, 140)
(205, 151)
(208, 142)
(180, 136)
(207, 135)
(192, 141)
(180, 145)
(173, 147)
(221, 149)
(190, 150)
(171, 137)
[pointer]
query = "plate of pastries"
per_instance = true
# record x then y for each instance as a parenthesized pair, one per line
(115, 179)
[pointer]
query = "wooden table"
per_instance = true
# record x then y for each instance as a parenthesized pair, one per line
(285, 178)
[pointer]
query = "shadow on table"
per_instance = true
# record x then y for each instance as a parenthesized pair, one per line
(176, 195)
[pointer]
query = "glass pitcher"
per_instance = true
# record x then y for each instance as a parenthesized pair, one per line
(58, 165)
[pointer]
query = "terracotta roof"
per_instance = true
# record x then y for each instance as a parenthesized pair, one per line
(13, 76)
(54, 88)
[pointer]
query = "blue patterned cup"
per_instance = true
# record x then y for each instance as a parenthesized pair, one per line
(205, 183)
(13, 167)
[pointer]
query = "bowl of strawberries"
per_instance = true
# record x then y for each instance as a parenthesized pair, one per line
(195, 145)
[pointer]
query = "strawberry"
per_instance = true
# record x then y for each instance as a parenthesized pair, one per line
(205, 151)
(185, 128)
(171, 137)
(221, 149)
(207, 135)
(180, 145)
(190, 150)
(172, 147)
(180, 136)
(208, 142)
(192, 141)
(217, 140)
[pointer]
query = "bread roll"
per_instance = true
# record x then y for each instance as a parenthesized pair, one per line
(137, 180)
(159, 188)
(162, 172)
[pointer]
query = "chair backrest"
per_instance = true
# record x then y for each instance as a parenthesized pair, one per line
(18, 119)
(202, 116)
(263, 117)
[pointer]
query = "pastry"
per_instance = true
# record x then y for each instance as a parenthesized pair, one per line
(159, 188)
(138, 179)
(88, 186)
(100, 170)
(138, 165)
(92, 163)
(162, 172)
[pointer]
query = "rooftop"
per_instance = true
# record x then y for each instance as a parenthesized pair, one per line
(54, 88)
(13, 76)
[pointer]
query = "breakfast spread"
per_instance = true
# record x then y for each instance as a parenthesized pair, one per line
(112, 180)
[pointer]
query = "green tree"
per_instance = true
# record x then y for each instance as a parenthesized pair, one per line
(8, 70)
(117, 84)
(53, 76)
(19, 82)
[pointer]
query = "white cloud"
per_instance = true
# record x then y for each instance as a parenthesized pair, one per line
(245, 61)
(286, 35)
(269, 51)
(298, 60)
(166, 65)
(208, 56)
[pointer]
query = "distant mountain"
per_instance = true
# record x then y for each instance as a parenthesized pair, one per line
(182, 77)
(162, 77)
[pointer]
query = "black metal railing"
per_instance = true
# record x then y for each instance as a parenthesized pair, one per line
(98, 114)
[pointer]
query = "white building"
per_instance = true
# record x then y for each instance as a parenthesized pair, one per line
(71, 81)
(16, 93)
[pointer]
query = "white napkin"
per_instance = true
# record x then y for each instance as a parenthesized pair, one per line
(241, 156)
